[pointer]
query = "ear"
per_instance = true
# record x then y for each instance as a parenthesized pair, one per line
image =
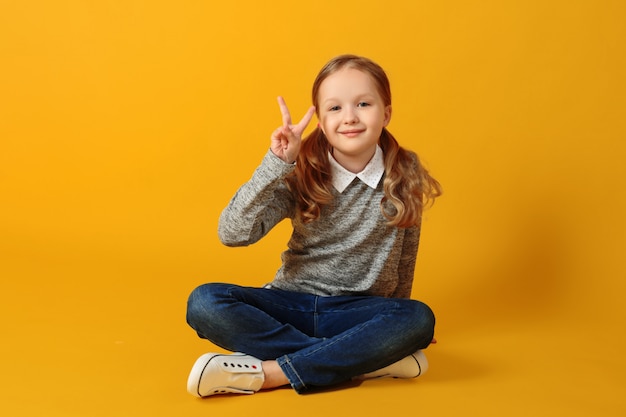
(321, 129)
(387, 115)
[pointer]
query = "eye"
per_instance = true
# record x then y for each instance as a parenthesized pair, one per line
(334, 108)
(363, 104)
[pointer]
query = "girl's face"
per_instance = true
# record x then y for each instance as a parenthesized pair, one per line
(352, 115)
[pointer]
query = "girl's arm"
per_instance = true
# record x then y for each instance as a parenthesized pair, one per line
(406, 268)
(258, 205)
(265, 200)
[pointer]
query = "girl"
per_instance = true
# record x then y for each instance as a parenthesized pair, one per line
(338, 307)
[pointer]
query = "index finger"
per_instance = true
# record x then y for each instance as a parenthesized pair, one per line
(305, 120)
(284, 111)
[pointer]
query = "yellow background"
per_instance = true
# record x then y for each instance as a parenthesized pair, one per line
(125, 127)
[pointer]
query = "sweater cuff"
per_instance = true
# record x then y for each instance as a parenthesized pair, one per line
(276, 164)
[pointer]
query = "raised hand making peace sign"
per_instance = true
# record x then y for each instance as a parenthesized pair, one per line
(285, 141)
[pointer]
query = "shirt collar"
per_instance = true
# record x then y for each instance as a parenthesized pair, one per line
(371, 174)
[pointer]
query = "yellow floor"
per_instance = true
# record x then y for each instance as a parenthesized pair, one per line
(114, 343)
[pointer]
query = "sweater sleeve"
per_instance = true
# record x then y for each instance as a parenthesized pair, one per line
(406, 267)
(259, 205)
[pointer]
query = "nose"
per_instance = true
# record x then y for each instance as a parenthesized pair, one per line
(350, 116)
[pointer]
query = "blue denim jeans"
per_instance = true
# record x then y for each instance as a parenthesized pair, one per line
(317, 341)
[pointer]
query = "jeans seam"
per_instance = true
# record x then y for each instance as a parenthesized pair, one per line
(315, 316)
(353, 330)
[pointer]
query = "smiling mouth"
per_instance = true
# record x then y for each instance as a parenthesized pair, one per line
(351, 133)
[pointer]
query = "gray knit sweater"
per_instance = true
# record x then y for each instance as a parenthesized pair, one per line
(348, 250)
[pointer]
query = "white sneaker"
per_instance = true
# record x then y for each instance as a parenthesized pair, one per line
(410, 366)
(216, 373)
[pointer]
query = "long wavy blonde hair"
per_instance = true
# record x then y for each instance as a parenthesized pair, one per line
(408, 186)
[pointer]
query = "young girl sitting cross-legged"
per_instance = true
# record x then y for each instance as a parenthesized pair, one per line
(338, 307)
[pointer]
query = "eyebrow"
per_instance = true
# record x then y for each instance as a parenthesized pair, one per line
(359, 97)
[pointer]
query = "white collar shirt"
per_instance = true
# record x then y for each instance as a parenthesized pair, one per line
(371, 174)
